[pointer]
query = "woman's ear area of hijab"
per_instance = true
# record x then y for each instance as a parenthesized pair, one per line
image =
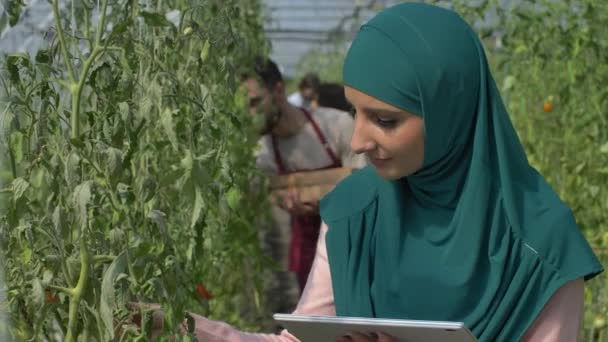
(391, 138)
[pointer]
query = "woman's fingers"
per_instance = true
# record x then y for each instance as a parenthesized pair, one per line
(359, 337)
(366, 337)
(382, 337)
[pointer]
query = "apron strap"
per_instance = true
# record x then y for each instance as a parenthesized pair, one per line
(277, 154)
(321, 137)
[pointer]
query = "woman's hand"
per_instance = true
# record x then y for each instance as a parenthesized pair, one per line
(157, 317)
(366, 337)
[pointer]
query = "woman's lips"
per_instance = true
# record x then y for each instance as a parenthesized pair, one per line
(379, 162)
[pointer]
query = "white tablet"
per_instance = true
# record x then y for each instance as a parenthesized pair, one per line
(330, 328)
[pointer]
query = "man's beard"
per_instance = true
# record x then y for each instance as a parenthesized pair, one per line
(270, 122)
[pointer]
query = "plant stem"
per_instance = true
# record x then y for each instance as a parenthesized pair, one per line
(64, 48)
(77, 91)
(75, 116)
(102, 24)
(62, 289)
(104, 258)
(87, 333)
(87, 28)
(66, 270)
(78, 291)
(11, 156)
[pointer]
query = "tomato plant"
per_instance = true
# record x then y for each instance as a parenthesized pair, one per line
(127, 169)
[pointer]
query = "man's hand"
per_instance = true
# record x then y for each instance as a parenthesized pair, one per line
(291, 203)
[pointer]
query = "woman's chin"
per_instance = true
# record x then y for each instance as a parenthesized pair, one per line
(387, 173)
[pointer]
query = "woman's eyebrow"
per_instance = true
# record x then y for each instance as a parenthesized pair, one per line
(382, 111)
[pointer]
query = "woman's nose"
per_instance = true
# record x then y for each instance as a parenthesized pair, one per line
(361, 141)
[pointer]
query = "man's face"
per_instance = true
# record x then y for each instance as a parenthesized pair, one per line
(308, 94)
(262, 105)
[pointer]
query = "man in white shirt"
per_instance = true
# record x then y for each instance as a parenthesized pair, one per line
(295, 139)
(307, 91)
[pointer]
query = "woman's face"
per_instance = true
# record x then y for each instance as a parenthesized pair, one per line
(392, 139)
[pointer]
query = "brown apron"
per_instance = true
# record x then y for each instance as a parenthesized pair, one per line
(304, 229)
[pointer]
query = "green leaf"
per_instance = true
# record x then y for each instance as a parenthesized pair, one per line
(594, 190)
(77, 142)
(205, 50)
(14, 64)
(19, 186)
(604, 148)
(43, 56)
(81, 198)
(187, 162)
(114, 161)
(155, 19)
(198, 206)
(124, 192)
(3, 22)
(108, 297)
(103, 77)
(121, 27)
(26, 255)
(123, 108)
(166, 121)
(508, 83)
(14, 11)
(39, 179)
(7, 119)
(47, 277)
(116, 236)
(72, 169)
(235, 121)
(148, 189)
(37, 293)
(233, 198)
(107, 130)
(16, 145)
(61, 227)
(159, 218)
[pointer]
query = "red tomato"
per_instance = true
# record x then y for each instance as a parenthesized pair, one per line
(202, 292)
(51, 298)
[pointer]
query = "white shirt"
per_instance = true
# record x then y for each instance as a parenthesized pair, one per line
(304, 150)
(297, 100)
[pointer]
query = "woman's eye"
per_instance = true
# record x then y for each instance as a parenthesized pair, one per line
(386, 123)
(380, 121)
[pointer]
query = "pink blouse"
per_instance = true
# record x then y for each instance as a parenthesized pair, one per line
(559, 321)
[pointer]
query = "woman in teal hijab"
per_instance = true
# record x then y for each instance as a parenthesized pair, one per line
(451, 223)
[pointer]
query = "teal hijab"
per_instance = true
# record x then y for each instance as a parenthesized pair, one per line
(477, 235)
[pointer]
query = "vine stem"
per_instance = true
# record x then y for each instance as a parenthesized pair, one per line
(61, 289)
(76, 87)
(78, 291)
(64, 48)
